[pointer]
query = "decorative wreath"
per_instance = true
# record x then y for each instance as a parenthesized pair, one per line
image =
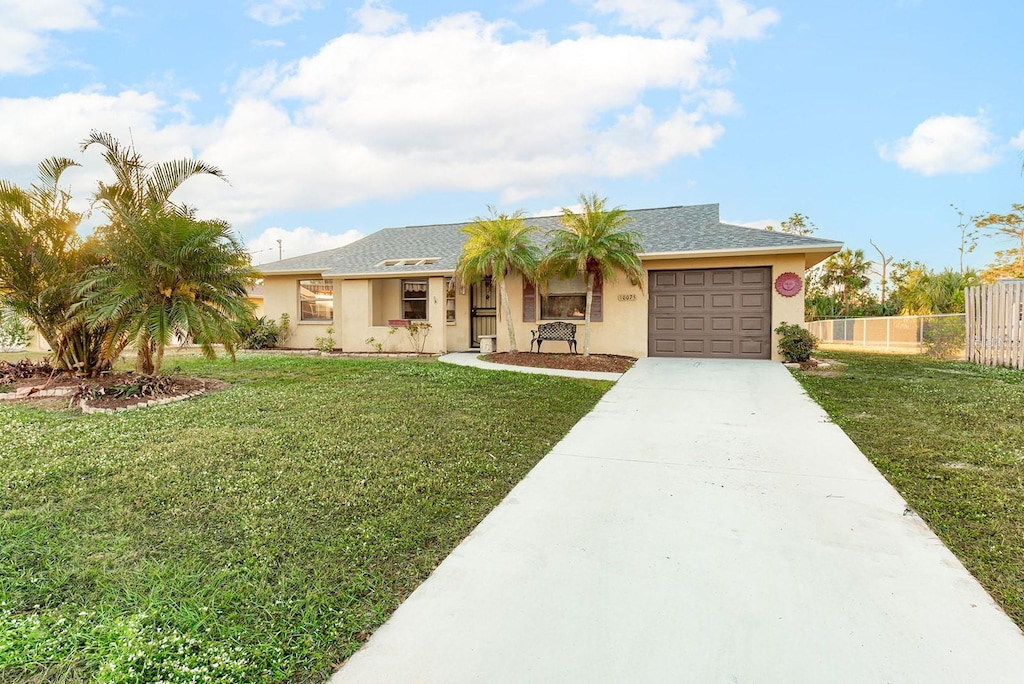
(788, 284)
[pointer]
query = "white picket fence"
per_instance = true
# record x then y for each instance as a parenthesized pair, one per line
(995, 324)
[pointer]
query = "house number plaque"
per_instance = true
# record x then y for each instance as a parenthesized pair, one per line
(627, 297)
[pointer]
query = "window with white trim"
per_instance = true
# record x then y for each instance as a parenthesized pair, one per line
(316, 301)
(414, 300)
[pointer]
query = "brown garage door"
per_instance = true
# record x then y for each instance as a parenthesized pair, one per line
(711, 313)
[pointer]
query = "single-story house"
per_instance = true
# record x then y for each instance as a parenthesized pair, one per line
(712, 290)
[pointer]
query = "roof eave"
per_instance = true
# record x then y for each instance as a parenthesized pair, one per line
(398, 274)
(825, 249)
(290, 272)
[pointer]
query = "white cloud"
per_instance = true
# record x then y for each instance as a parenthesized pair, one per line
(452, 106)
(1017, 142)
(295, 242)
(455, 107)
(280, 12)
(944, 144)
(26, 27)
(736, 20)
(36, 128)
(557, 211)
(375, 17)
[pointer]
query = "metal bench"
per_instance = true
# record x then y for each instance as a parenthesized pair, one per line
(559, 330)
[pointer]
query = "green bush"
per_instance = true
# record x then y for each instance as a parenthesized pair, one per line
(944, 337)
(261, 333)
(795, 342)
(325, 344)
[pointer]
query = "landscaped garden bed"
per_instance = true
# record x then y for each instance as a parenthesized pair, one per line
(39, 383)
(606, 363)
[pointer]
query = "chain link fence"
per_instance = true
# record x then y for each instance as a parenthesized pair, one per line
(939, 335)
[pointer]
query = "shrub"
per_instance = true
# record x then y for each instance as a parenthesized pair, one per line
(795, 342)
(944, 337)
(259, 333)
(326, 343)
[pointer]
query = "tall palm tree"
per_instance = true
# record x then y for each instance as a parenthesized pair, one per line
(499, 245)
(596, 245)
(165, 275)
(41, 261)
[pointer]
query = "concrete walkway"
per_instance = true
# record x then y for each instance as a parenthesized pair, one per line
(705, 523)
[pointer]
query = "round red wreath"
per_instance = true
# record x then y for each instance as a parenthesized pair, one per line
(788, 284)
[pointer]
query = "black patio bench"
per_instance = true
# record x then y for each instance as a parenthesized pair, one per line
(558, 330)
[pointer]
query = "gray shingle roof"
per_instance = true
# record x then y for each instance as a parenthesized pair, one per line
(663, 231)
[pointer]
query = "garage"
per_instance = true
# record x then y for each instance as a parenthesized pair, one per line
(711, 313)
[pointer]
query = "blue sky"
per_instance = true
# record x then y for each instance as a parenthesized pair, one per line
(333, 119)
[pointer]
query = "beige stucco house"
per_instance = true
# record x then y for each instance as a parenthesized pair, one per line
(711, 290)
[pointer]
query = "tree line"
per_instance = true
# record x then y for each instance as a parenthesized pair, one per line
(841, 287)
(152, 272)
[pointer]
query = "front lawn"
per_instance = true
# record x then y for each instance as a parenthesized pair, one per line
(260, 533)
(950, 437)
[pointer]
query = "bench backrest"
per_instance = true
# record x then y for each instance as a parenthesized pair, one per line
(558, 330)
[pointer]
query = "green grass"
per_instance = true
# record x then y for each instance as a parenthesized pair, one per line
(259, 533)
(950, 437)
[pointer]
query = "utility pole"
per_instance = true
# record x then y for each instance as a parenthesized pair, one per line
(278, 249)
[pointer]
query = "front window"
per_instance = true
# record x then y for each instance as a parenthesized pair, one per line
(564, 299)
(449, 299)
(316, 301)
(414, 300)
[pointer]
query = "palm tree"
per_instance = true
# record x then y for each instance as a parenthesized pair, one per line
(938, 292)
(596, 245)
(139, 185)
(847, 272)
(497, 246)
(41, 260)
(164, 275)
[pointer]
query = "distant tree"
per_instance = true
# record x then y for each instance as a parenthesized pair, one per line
(42, 259)
(968, 234)
(1009, 263)
(595, 244)
(797, 224)
(924, 291)
(846, 274)
(498, 246)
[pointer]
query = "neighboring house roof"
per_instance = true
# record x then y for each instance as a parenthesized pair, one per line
(665, 232)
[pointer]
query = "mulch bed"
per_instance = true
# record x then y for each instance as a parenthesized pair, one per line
(101, 389)
(605, 363)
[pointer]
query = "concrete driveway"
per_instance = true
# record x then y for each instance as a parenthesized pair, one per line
(705, 523)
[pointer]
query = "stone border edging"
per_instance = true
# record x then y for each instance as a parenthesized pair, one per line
(36, 391)
(88, 410)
